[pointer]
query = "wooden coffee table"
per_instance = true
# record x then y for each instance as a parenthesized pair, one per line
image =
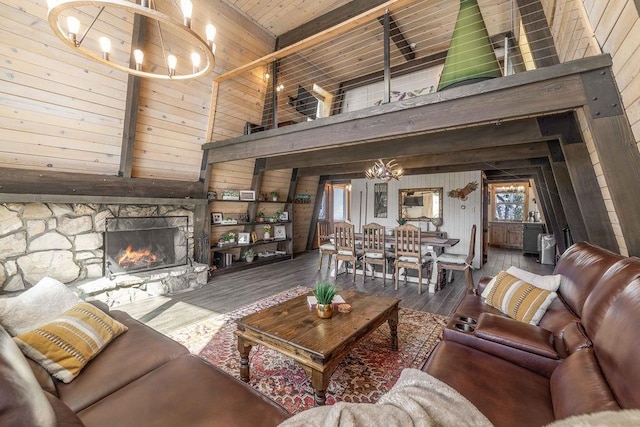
(318, 345)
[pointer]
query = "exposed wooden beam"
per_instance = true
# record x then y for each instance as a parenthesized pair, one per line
(316, 211)
(541, 43)
(486, 157)
(399, 39)
(328, 20)
(547, 90)
(22, 181)
(319, 37)
(131, 102)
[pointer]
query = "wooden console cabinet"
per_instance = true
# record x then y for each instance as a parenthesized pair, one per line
(505, 234)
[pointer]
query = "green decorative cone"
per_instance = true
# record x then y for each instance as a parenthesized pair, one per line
(471, 56)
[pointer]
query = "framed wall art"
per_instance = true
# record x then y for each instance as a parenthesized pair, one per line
(243, 238)
(216, 217)
(380, 198)
(247, 195)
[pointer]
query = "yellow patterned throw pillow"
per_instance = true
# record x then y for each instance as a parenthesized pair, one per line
(65, 345)
(517, 298)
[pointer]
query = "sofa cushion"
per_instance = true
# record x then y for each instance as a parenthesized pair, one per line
(65, 345)
(518, 299)
(187, 391)
(22, 401)
(549, 282)
(131, 355)
(37, 306)
(505, 393)
(578, 386)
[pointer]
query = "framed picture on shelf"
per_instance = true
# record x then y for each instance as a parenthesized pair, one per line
(247, 195)
(284, 216)
(216, 217)
(280, 232)
(243, 238)
(254, 237)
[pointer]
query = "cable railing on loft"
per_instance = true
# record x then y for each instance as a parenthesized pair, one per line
(349, 71)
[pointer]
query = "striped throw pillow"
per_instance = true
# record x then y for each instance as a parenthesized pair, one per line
(518, 299)
(65, 345)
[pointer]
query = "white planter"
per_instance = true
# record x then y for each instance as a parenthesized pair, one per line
(267, 235)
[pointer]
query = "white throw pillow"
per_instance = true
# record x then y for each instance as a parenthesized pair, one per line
(548, 283)
(36, 306)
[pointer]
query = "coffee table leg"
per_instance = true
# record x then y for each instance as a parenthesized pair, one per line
(244, 350)
(393, 325)
(319, 382)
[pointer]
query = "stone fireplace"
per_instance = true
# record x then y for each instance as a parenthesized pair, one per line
(69, 242)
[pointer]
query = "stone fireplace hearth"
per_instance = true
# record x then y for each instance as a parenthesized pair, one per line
(66, 241)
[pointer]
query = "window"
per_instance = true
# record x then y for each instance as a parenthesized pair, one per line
(510, 203)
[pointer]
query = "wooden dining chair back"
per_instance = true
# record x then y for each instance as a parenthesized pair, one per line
(460, 262)
(345, 240)
(409, 253)
(325, 246)
(373, 250)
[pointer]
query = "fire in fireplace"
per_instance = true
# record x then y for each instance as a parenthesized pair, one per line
(140, 244)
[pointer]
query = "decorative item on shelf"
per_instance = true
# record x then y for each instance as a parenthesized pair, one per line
(247, 195)
(274, 196)
(384, 171)
(401, 221)
(463, 193)
(249, 255)
(324, 293)
(437, 221)
(229, 238)
(230, 195)
(260, 217)
(212, 195)
(254, 237)
(267, 232)
(262, 197)
(302, 198)
(174, 36)
(283, 216)
(280, 232)
(216, 217)
(243, 238)
(243, 217)
(229, 221)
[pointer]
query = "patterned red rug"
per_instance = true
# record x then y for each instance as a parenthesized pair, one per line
(364, 375)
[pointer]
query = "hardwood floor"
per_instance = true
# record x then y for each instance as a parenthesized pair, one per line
(228, 292)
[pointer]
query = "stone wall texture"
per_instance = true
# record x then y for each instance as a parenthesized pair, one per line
(63, 241)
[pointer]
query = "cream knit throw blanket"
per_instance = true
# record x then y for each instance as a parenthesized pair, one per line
(417, 399)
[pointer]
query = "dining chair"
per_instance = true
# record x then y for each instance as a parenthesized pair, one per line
(410, 254)
(374, 250)
(460, 262)
(325, 246)
(345, 240)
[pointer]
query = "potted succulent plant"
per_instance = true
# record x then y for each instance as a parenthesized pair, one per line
(260, 216)
(324, 293)
(401, 221)
(274, 195)
(249, 255)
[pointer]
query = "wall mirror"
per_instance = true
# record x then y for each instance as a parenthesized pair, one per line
(420, 203)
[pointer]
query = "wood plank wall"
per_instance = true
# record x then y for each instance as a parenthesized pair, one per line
(582, 29)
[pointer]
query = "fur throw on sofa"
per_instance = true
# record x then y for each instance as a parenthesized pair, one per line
(417, 399)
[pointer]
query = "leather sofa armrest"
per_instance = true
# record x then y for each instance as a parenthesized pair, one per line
(101, 305)
(482, 283)
(516, 334)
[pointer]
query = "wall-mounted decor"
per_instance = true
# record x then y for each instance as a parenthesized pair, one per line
(463, 193)
(230, 195)
(420, 203)
(380, 198)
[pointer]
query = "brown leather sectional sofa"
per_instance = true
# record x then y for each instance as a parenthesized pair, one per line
(583, 357)
(142, 378)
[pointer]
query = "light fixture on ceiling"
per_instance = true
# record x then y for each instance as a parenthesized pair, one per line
(90, 11)
(385, 171)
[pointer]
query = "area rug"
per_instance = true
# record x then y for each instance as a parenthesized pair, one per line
(365, 374)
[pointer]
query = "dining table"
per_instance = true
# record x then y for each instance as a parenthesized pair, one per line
(432, 244)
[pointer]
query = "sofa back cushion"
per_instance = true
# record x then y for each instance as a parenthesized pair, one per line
(579, 387)
(606, 291)
(581, 267)
(22, 401)
(616, 346)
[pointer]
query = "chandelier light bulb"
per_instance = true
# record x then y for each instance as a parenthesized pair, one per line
(187, 11)
(195, 60)
(73, 28)
(139, 56)
(105, 46)
(266, 76)
(210, 30)
(172, 61)
(384, 171)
